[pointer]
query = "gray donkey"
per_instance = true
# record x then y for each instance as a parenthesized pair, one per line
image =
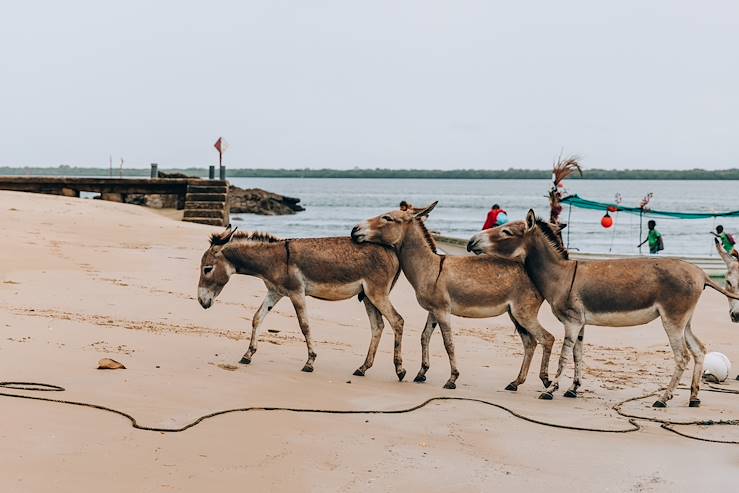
(465, 286)
(618, 293)
(329, 269)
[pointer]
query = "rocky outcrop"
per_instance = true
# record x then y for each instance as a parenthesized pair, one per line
(162, 174)
(258, 201)
(154, 200)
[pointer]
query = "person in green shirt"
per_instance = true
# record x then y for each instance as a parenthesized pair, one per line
(727, 240)
(654, 238)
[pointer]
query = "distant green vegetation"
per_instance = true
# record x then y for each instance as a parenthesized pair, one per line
(511, 173)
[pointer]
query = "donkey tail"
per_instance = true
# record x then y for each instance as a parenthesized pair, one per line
(710, 283)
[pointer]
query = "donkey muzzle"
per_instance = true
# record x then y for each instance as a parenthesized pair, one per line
(474, 245)
(357, 237)
(205, 298)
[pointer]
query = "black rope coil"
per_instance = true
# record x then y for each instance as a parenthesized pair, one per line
(632, 418)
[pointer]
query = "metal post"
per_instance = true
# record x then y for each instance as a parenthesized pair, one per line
(211, 172)
(569, 225)
(641, 211)
(154, 173)
(223, 173)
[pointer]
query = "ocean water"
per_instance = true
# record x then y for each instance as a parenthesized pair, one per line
(335, 205)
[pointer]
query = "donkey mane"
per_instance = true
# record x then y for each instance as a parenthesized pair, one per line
(256, 236)
(426, 235)
(552, 238)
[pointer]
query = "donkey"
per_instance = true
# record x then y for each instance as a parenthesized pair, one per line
(618, 293)
(472, 287)
(732, 278)
(330, 269)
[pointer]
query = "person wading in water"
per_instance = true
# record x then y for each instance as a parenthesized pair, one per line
(654, 238)
(494, 217)
(727, 240)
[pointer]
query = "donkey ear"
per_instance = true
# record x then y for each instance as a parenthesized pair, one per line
(728, 259)
(557, 227)
(530, 220)
(427, 210)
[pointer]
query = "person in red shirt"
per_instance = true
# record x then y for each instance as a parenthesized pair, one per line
(492, 220)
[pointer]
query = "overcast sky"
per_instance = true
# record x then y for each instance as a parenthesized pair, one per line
(431, 84)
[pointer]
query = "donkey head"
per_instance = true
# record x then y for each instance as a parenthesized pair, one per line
(389, 228)
(215, 268)
(732, 280)
(514, 239)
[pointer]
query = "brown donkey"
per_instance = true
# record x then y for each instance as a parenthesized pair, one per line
(325, 268)
(618, 293)
(472, 287)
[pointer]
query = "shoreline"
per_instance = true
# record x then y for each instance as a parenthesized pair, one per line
(593, 174)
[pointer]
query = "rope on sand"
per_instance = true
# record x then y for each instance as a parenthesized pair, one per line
(632, 419)
(669, 425)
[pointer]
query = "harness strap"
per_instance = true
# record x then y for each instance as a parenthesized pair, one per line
(572, 283)
(287, 255)
(441, 266)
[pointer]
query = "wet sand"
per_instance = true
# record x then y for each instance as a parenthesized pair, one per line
(81, 280)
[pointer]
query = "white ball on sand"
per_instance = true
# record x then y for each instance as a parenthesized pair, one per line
(716, 367)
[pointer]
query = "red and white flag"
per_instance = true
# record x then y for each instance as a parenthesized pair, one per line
(221, 145)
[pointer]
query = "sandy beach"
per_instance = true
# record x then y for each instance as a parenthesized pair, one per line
(81, 280)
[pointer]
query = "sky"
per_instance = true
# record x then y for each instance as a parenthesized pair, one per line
(381, 83)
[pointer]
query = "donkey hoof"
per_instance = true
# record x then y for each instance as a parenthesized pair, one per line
(244, 360)
(420, 378)
(450, 385)
(570, 393)
(401, 375)
(659, 404)
(358, 372)
(547, 396)
(512, 386)
(694, 403)
(307, 369)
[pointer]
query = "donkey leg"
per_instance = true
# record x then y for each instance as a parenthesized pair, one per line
(376, 325)
(577, 357)
(269, 302)
(425, 339)
(302, 314)
(541, 336)
(676, 335)
(382, 302)
(568, 343)
(547, 344)
(529, 346)
(446, 333)
(698, 350)
(546, 339)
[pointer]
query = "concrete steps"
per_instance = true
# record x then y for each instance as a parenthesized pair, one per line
(207, 203)
(204, 220)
